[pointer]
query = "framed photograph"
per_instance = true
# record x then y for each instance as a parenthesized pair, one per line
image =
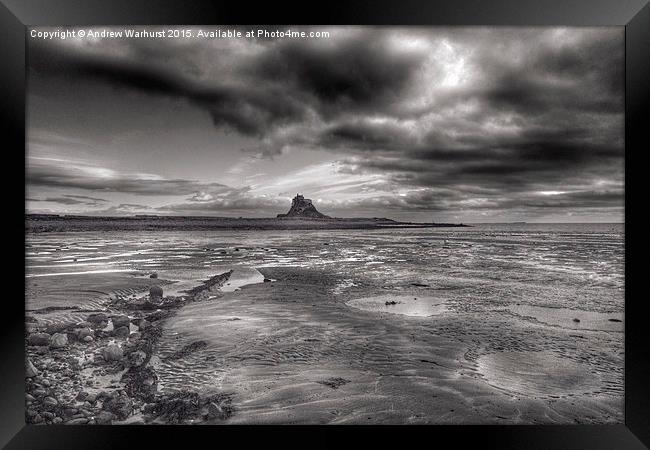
(411, 215)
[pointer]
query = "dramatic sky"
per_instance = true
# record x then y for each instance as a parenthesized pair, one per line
(431, 124)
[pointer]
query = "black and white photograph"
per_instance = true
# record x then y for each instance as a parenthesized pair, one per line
(324, 225)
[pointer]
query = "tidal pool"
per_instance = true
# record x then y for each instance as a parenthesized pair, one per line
(408, 305)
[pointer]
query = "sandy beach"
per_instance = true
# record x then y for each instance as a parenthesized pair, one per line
(289, 349)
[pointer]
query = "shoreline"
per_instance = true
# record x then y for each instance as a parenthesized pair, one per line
(290, 350)
(44, 224)
(106, 360)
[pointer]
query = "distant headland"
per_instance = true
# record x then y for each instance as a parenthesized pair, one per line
(302, 215)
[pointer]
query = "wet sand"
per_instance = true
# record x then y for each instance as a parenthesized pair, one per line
(289, 349)
(290, 352)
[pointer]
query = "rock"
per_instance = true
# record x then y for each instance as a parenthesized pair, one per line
(39, 339)
(135, 336)
(104, 418)
(84, 332)
(121, 332)
(38, 392)
(153, 275)
(30, 370)
(303, 207)
(81, 396)
(37, 419)
(112, 352)
(155, 292)
(137, 358)
(392, 302)
(59, 340)
(57, 420)
(29, 398)
(121, 321)
(91, 398)
(267, 280)
(97, 318)
(121, 406)
(49, 402)
(576, 320)
(88, 339)
(48, 415)
(143, 324)
(57, 328)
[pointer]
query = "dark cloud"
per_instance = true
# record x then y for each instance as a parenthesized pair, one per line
(62, 174)
(70, 199)
(453, 119)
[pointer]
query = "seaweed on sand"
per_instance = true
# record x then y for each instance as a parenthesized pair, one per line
(334, 382)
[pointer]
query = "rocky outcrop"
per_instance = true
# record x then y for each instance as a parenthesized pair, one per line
(303, 207)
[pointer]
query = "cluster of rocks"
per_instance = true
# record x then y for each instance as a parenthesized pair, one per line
(98, 371)
(66, 362)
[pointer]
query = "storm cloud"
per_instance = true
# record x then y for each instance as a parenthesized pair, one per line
(466, 122)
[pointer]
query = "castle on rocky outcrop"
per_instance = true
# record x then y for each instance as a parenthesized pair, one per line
(303, 207)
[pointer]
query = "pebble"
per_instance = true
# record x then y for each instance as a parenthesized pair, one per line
(50, 401)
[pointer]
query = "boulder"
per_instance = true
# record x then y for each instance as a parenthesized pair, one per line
(112, 352)
(39, 339)
(30, 370)
(88, 339)
(153, 275)
(121, 321)
(84, 332)
(121, 332)
(59, 340)
(97, 318)
(155, 292)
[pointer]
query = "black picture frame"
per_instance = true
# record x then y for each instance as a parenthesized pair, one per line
(634, 15)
